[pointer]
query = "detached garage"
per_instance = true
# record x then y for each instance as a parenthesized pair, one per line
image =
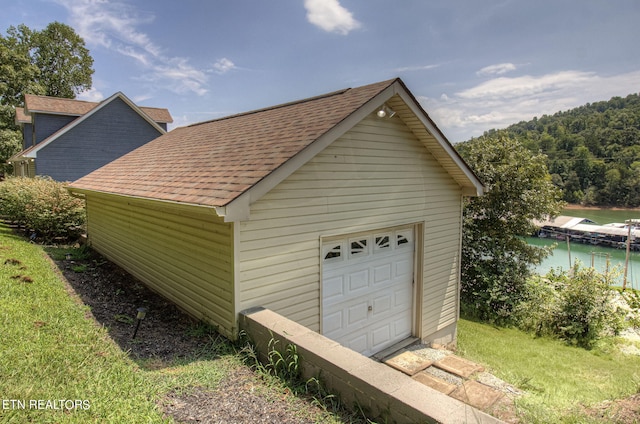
(342, 212)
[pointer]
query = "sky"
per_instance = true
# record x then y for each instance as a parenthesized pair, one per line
(474, 65)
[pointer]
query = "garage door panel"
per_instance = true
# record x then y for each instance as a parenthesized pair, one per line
(333, 323)
(333, 288)
(403, 268)
(359, 343)
(382, 273)
(357, 315)
(403, 297)
(382, 304)
(369, 279)
(381, 335)
(401, 326)
(358, 281)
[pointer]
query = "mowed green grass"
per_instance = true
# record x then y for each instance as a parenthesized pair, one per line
(52, 353)
(57, 365)
(559, 380)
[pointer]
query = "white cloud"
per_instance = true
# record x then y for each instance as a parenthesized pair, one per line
(113, 26)
(417, 68)
(91, 95)
(330, 16)
(527, 85)
(223, 66)
(502, 101)
(499, 69)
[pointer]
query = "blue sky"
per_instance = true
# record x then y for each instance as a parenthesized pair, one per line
(473, 64)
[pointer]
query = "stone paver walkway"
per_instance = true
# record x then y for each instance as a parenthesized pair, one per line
(450, 374)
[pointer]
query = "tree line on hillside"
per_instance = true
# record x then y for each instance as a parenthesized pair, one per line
(593, 151)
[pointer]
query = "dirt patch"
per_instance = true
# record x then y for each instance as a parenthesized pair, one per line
(623, 411)
(167, 334)
(114, 296)
(240, 398)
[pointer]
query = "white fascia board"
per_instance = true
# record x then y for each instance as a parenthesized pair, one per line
(34, 152)
(444, 143)
(238, 209)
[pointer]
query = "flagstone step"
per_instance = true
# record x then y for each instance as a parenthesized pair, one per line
(477, 394)
(408, 362)
(458, 366)
(435, 383)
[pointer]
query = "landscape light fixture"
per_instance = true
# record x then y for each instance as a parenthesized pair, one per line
(142, 312)
(385, 112)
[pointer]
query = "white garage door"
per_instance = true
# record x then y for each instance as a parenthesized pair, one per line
(367, 289)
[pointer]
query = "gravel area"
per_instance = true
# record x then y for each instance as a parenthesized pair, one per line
(428, 353)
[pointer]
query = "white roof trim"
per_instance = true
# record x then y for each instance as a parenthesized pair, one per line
(33, 152)
(238, 209)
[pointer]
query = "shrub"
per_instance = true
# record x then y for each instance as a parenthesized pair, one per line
(42, 206)
(575, 306)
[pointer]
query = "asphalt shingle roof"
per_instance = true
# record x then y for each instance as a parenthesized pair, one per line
(56, 105)
(214, 162)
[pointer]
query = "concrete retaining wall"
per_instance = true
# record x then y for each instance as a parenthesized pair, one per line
(361, 382)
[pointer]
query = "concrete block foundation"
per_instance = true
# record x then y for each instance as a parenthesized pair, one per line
(361, 382)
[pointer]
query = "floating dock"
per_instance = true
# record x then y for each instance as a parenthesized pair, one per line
(583, 230)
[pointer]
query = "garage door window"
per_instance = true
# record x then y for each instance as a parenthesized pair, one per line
(382, 242)
(358, 246)
(333, 252)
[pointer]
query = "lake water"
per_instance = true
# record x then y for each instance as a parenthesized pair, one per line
(589, 254)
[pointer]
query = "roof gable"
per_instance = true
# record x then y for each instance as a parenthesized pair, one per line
(32, 152)
(229, 163)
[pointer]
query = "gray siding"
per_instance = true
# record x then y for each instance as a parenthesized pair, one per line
(45, 125)
(109, 133)
(27, 136)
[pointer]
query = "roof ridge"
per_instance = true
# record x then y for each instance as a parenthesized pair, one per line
(61, 98)
(278, 106)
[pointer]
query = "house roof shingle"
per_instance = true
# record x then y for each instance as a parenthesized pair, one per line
(213, 163)
(73, 107)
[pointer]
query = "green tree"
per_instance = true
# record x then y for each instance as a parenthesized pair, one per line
(496, 260)
(52, 62)
(18, 73)
(63, 61)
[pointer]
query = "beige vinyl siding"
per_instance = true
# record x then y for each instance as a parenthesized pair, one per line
(377, 175)
(184, 253)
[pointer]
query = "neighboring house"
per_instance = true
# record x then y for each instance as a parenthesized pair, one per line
(66, 139)
(322, 210)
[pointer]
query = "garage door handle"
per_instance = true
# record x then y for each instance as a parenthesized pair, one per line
(370, 308)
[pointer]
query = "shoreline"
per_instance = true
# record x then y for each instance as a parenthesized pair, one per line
(571, 206)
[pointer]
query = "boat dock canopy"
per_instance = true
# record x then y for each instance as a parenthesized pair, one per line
(563, 221)
(583, 228)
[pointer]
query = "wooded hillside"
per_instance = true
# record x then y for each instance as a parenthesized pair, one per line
(593, 150)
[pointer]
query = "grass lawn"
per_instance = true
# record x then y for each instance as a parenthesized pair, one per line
(559, 380)
(57, 365)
